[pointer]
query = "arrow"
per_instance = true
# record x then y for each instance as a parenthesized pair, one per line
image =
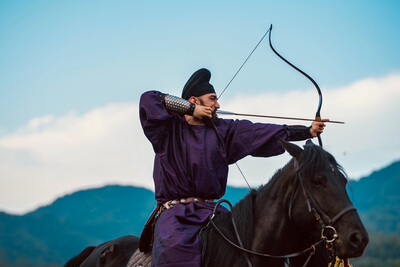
(222, 112)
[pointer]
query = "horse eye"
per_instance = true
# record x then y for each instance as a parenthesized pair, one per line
(318, 180)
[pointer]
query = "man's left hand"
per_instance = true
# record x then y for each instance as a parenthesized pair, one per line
(317, 127)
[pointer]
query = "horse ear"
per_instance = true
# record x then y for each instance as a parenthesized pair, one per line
(309, 142)
(293, 149)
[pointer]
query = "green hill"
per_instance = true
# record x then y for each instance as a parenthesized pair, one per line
(377, 199)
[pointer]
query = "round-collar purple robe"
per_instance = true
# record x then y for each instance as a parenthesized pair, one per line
(192, 161)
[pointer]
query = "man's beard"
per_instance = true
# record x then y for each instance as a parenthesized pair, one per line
(214, 119)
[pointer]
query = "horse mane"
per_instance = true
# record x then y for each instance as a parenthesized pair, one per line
(314, 158)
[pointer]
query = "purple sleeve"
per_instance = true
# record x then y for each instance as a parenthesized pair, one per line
(256, 139)
(154, 117)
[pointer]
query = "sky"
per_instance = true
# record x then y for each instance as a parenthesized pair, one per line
(72, 72)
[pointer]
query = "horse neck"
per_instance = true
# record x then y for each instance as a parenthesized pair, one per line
(262, 222)
(272, 229)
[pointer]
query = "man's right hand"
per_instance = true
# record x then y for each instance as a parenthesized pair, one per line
(202, 112)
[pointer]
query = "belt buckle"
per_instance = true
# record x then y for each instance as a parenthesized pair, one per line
(167, 205)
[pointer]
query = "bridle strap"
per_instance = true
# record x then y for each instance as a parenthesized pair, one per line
(343, 212)
(310, 250)
(319, 214)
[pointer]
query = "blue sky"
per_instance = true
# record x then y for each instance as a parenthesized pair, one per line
(71, 73)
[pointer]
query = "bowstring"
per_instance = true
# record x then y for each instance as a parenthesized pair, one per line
(244, 62)
(223, 91)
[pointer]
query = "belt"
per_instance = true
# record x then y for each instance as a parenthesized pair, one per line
(171, 203)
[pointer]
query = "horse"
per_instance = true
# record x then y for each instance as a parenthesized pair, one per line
(114, 253)
(301, 217)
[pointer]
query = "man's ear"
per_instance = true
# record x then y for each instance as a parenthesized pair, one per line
(193, 100)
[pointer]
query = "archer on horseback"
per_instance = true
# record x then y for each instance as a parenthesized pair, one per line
(193, 149)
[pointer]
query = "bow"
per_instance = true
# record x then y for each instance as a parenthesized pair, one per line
(318, 113)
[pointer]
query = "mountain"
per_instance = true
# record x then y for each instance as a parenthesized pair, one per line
(51, 235)
(376, 198)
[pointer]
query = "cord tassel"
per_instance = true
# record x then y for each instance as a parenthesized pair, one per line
(340, 263)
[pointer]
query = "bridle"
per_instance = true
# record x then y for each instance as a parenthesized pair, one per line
(325, 221)
(320, 215)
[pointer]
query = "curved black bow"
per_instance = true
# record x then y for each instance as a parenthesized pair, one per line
(318, 113)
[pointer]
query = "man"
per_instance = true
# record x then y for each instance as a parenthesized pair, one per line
(193, 149)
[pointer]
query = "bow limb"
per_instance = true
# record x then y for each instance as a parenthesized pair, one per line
(318, 113)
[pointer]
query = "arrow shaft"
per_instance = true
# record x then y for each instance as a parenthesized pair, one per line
(271, 117)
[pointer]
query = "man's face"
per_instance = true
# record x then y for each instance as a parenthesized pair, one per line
(209, 100)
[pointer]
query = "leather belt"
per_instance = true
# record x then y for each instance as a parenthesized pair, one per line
(171, 203)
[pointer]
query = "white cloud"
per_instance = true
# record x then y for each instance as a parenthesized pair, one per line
(52, 156)
(103, 146)
(368, 139)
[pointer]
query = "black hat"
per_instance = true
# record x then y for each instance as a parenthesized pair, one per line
(198, 84)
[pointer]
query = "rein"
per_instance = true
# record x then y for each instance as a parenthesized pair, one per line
(310, 250)
(324, 220)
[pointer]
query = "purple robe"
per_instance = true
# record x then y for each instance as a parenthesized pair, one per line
(192, 161)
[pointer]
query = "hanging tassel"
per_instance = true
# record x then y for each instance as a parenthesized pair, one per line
(340, 263)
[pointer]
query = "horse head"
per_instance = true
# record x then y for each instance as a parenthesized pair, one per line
(319, 200)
